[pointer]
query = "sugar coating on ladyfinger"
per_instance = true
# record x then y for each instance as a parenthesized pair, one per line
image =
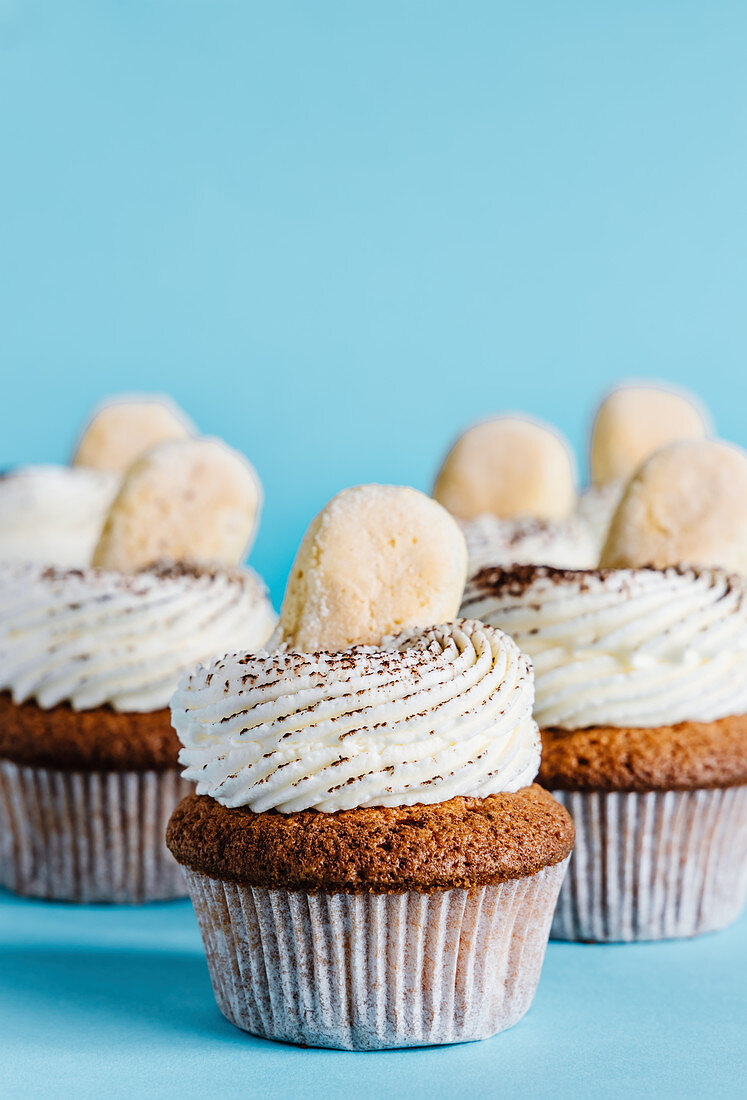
(377, 559)
(686, 505)
(121, 429)
(634, 421)
(508, 466)
(193, 500)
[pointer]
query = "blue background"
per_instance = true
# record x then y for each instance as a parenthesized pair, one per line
(336, 232)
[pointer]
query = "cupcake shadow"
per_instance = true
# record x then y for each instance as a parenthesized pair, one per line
(131, 989)
(127, 994)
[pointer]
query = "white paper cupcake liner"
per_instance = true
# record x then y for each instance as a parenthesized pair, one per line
(653, 866)
(366, 972)
(88, 836)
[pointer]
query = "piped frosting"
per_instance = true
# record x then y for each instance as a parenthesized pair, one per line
(427, 715)
(91, 637)
(628, 647)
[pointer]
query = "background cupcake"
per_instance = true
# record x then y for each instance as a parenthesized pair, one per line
(89, 659)
(641, 695)
(365, 841)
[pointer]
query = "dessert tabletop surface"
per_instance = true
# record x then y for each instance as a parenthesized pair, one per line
(114, 1002)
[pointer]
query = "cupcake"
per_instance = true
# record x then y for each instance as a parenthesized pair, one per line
(641, 697)
(89, 659)
(370, 863)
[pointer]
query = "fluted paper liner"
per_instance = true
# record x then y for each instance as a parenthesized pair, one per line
(653, 866)
(366, 972)
(88, 836)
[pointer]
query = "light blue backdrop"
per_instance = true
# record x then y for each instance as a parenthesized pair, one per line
(338, 231)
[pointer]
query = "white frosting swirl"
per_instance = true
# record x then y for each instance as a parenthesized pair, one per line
(428, 715)
(53, 514)
(529, 541)
(631, 647)
(596, 507)
(91, 637)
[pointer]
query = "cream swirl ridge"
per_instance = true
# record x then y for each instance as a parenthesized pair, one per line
(427, 715)
(92, 637)
(53, 514)
(628, 647)
(528, 540)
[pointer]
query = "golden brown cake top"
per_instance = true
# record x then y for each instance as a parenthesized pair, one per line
(685, 756)
(90, 740)
(463, 843)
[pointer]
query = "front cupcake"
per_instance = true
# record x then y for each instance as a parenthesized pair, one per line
(368, 859)
(88, 759)
(641, 694)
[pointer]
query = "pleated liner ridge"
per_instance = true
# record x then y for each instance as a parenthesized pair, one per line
(88, 836)
(654, 865)
(367, 972)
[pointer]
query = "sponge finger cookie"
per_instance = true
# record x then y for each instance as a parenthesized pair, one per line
(122, 429)
(634, 421)
(686, 505)
(189, 500)
(508, 466)
(377, 559)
